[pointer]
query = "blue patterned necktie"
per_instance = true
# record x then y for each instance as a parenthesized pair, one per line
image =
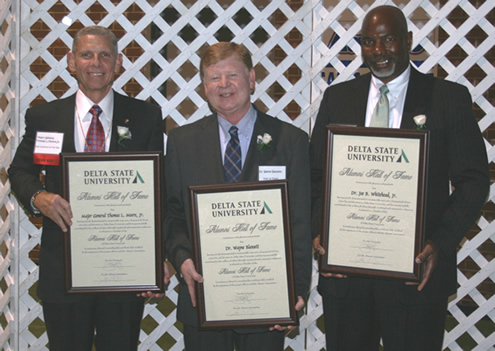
(380, 114)
(232, 161)
(95, 139)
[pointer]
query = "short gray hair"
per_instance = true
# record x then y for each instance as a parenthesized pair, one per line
(97, 30)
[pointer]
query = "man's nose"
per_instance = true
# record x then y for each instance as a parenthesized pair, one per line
(95, 60)
(224, 81)
(379, 47)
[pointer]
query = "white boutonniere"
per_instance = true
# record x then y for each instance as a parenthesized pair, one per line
(264, 142)
(420, 121)
(124, 134)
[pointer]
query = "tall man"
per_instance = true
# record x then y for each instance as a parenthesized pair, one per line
(88, 120)
(195, 156)
(359, 311)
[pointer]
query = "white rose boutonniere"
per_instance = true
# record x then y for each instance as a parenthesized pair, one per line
(420, 121)
(124, 134)
(264, 142)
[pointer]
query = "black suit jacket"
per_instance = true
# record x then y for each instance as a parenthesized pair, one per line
(194, 158)
(456, 152)
(145, 123)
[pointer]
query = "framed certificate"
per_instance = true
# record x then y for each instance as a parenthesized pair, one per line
(374, 196)
(114, 242)
(242, 242)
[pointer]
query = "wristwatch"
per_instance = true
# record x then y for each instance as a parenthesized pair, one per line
(36, 211)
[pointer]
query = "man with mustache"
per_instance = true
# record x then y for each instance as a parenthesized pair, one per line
(360, 311)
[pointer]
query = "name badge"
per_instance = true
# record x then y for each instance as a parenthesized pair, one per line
(271, 173)
(47, 148)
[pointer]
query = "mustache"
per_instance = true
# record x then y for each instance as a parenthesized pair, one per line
(381, 58)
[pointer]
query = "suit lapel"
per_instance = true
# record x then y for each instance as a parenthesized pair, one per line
(358, 115)
(254, 158)
(210, 150)
(417, 98)
(118, 119)
(252, 155)
(65, 116)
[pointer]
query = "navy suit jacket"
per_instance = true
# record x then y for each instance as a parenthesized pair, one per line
(457, 153)
(194, 158)
(145, 124)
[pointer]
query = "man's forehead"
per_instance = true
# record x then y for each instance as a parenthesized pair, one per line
(226, 65)
(384, 17)
(379, 34)
(89, 39)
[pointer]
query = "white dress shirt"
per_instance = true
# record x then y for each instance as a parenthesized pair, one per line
(82, 119)
(396, 98)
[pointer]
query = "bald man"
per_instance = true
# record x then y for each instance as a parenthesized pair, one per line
(361, 311)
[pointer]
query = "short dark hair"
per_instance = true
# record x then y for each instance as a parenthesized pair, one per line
(221, 51)
(97, 30)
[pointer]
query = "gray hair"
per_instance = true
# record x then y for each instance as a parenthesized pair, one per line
(97, 30)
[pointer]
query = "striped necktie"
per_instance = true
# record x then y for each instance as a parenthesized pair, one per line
(232, 160)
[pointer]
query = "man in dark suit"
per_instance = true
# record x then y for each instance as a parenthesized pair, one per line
(71, 321)
(360, 311)
(195, 156)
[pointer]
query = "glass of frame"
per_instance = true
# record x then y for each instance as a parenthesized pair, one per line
(242, 243)
(373, 207)
(114, 242)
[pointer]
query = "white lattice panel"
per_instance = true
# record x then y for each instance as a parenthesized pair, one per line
(8, 290)
(169, 35)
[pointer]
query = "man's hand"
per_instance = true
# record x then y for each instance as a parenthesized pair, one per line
(167, 275)
(166, 279)
(299, 306)
(190, 276)
(54, 207)
(317, 248)
(429, 258)
(321, 251)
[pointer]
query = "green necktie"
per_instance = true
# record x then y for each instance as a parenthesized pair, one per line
(380, 114)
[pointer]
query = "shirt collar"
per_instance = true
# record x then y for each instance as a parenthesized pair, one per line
(245, 125)
(84, 104)
(394, 86)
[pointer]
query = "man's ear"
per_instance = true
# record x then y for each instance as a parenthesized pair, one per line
(252, 80)
(118, 63)
(70, 62)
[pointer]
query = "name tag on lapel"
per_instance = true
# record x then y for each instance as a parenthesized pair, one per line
(47, 148)
(271, 173)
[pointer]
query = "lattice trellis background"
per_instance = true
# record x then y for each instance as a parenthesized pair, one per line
(289, 41)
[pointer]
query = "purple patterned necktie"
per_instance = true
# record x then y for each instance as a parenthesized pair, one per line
(95, 139)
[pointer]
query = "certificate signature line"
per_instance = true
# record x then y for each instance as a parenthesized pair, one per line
(370, 248)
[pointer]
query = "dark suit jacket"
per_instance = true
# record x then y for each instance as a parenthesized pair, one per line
(456, 152)
(145, 123)
(194, 158)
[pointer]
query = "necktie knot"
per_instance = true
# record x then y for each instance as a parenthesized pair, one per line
(384, 89)
(233, 132)
(95, 111)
